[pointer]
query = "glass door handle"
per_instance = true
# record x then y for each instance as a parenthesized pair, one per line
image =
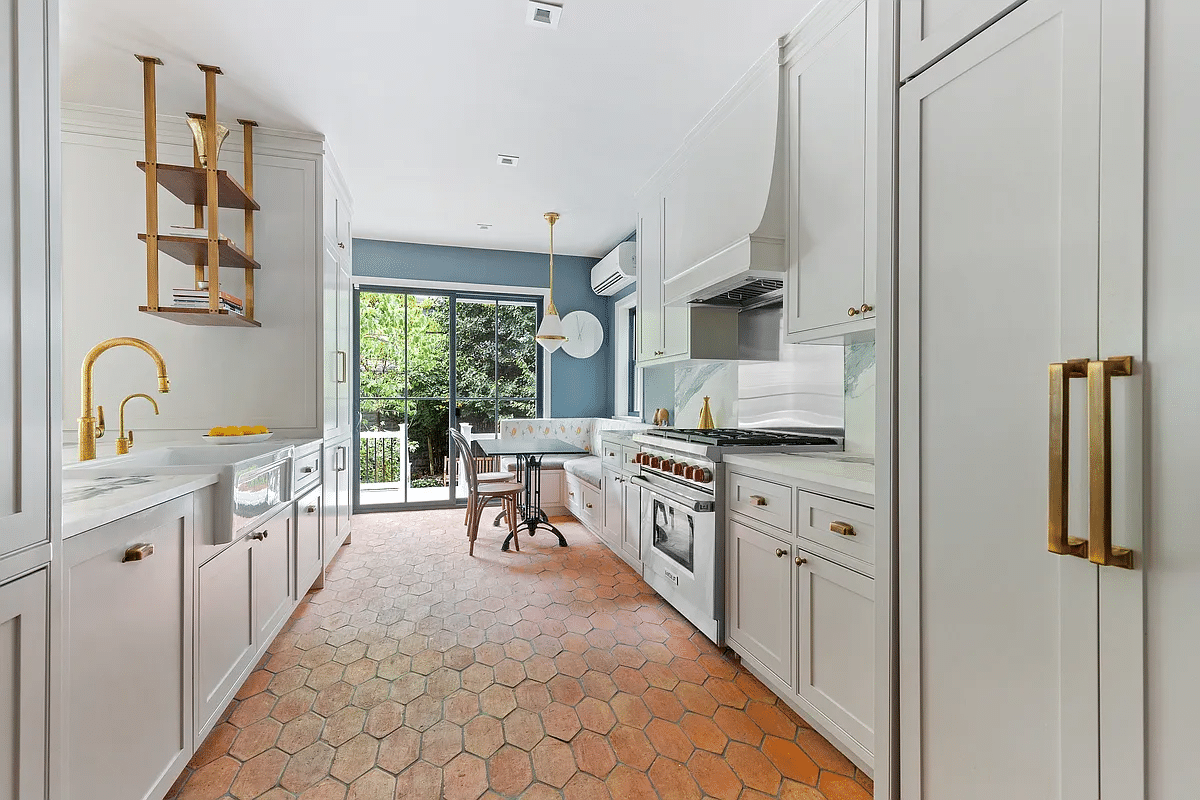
(1060, 437)
(1099, 382)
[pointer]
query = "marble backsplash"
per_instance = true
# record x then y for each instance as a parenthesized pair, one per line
(717, 380)
(860, 397)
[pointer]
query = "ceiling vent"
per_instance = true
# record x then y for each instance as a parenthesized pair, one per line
(542, 15)
(507, 161)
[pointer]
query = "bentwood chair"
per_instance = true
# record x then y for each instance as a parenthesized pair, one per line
(463, 445)
(480, 494)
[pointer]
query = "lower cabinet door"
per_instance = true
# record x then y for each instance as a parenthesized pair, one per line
(759, 588)
(631, 531)
(343, 493)
(308, 540)
(330, 516)
(128, 654)
(612, 510)
(271, 552)
(23, 689)
(224, 629)
(836, 608)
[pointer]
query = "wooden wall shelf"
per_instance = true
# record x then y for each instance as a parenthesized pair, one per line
(190, 184)
(194, 251)
(201, 316)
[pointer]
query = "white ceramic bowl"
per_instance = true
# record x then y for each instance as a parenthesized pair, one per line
(246, 438)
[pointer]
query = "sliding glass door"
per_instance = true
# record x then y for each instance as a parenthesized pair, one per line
(428, 361)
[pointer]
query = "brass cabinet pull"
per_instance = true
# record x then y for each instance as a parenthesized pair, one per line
(307, 470)
(1099, 384)
(342, 368)
(311, 509)
(780, 552)
(258, 536)
(758, 500)
(1060, 436)
(660, 352)
(138, 552)
(852, 311)
(866, 308)
(342, 245)
(800, 562)
(843, 528)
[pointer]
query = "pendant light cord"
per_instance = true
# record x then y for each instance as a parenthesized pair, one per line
(552, 218)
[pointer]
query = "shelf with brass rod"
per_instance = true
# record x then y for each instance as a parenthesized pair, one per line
(190, 185)
(1060, 436)
(1099, 387)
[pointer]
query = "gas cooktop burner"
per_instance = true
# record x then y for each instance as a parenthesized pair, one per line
(722, 437)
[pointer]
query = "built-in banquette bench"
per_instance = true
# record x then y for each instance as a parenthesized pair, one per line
(586, 432)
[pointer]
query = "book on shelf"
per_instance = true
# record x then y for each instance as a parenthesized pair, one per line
(194, 233)
(222, 306)
(201, 296)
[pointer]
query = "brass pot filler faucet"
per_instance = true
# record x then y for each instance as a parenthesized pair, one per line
(91, 428)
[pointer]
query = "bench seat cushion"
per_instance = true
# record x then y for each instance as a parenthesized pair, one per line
(586, 469)
(548, 462)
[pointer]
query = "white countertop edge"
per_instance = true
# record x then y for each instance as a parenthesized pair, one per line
(86, 515)
(859, 478)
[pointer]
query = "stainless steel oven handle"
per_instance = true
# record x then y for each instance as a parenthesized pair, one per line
(699, 506)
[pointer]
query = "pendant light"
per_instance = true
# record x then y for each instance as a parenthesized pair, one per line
(550, 332)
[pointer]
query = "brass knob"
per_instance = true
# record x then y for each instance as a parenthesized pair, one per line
(589, 505)
(259, 535)
(342, 245)
(311, 509)
(852, 311)
(780, 552)
(801, 561)
(865, 308)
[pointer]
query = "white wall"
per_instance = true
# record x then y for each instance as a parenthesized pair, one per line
(219, 376)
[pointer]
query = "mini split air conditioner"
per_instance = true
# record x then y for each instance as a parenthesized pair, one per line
(616, 270)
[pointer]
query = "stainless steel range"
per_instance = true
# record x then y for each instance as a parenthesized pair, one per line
(683, 510)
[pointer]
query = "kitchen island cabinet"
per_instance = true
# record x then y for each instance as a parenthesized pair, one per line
(23, 669)
(799, 591)
(224, 630)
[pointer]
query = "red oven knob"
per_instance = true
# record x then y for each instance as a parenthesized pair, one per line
(655, 462)
(692, 473)
(667, 465)
(680, 469)
(705, 475)
(637, 458)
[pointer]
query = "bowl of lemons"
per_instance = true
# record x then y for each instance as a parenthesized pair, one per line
(237, 434)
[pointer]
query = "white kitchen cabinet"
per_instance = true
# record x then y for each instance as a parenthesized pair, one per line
(673, 333)
(758, 589)
(29, 348)
(273, 552)
(127, 629)
(24, 700)
(224, 630)
(336, 496)
(309, 562)
(838, 106)
(338, 297)
(835, 612)
(1020, 187)
(929, 28)
(613, 516)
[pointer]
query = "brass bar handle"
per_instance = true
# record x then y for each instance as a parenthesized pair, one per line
(342, 368)
(842, 528)
(138, 552)
(1099, 382)
(1060, 436)
(780, 552)
(758, 500)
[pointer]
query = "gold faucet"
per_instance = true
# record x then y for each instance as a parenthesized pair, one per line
(91, 429)
(125, 441)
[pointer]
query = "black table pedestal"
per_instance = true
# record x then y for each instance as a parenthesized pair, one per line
(532, 516)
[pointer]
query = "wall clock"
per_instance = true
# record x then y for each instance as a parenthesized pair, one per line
(584, 334)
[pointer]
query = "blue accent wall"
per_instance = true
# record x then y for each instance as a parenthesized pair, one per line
(579, 388)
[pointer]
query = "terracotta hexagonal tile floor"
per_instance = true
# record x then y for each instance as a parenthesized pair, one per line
(419, 672)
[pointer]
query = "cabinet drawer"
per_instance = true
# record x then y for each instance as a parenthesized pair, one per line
(308, 540)
(612, 454)
(591, 507)
(627, 456)
(843, 527)
(305, 470)
(761, 500)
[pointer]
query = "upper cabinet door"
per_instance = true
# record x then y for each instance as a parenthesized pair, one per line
(649, 285)
(827, 141)
(28, 248)
(930, 28)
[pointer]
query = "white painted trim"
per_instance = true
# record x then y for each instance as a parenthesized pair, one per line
(359, 281)
(818, 24)
(620, 345)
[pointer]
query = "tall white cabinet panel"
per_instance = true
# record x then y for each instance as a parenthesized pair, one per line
(338, 342)
(827, 147)
(649, 286)
(23, 701)
(128, 633)
(999, 268)
(928, 28)
(28, 161)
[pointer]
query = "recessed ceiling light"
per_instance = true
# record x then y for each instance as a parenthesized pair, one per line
(484, 226)
(507, 161)
(542, 15)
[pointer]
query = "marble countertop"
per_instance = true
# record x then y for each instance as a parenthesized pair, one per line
(90, 502)
(826, 469)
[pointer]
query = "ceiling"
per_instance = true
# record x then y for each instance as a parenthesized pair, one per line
(418, 98)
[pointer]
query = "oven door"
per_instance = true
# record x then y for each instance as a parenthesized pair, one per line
(680, 559)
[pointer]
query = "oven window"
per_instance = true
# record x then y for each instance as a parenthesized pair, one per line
(675, 534)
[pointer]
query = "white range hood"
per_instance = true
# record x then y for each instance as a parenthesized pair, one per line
(723, 201)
